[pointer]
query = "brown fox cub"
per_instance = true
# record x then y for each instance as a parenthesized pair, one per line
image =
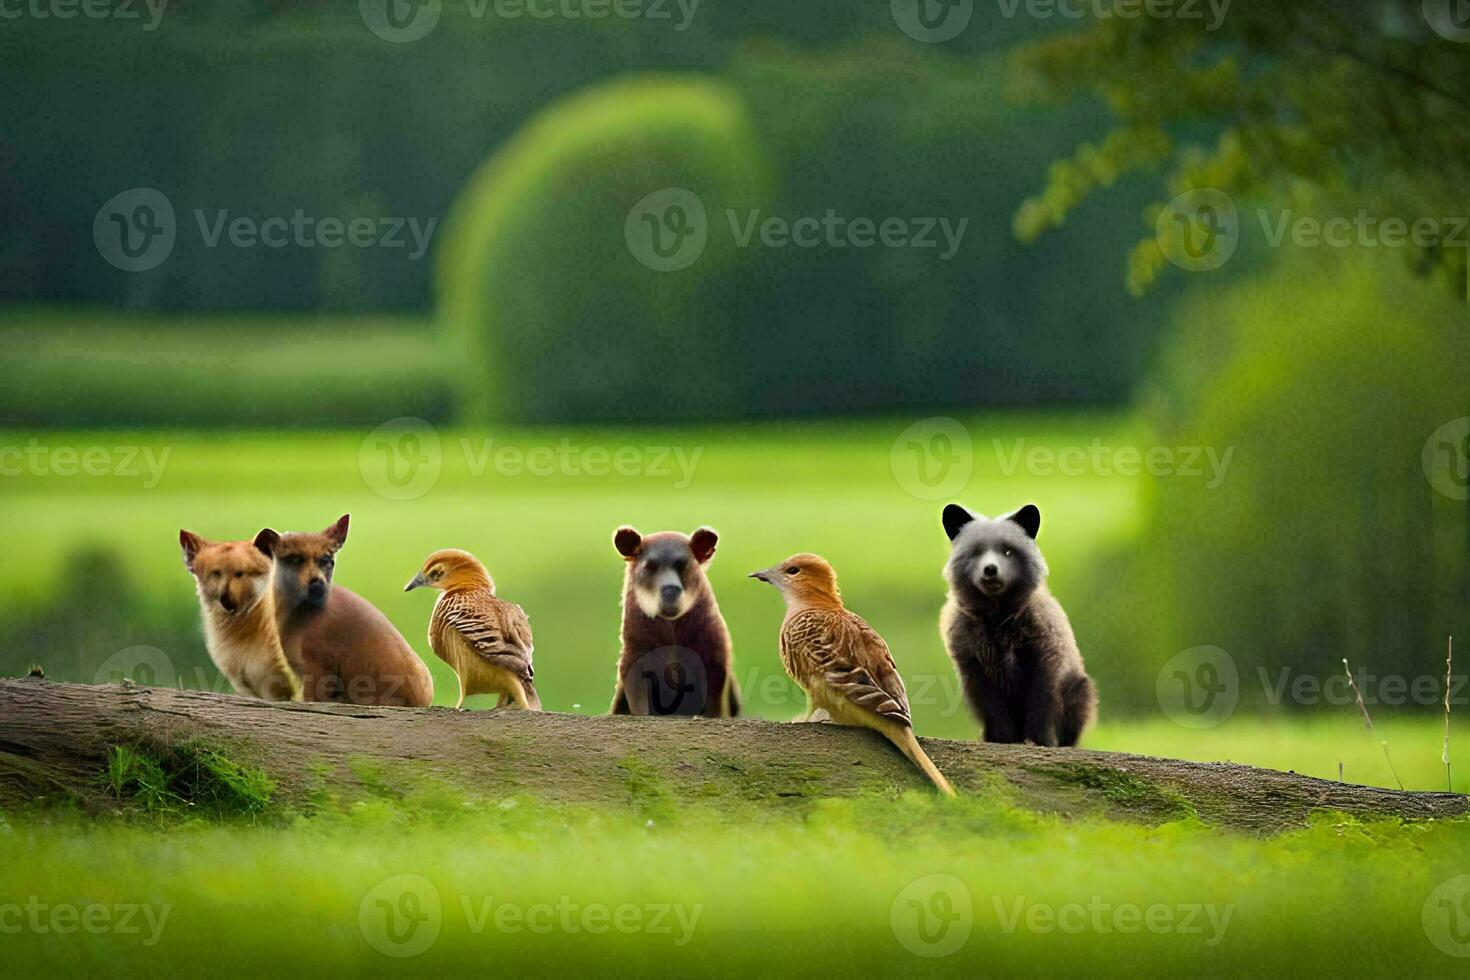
(233, 579)
(341, 645)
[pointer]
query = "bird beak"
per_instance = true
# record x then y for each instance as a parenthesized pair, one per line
(416, 582)
(761, 575)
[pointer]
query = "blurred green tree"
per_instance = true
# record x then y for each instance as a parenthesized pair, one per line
(1272, 98)
(1338, 530)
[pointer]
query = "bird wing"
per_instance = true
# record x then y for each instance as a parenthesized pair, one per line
(850, 657)
(497, 631)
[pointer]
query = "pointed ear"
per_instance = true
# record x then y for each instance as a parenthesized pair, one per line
(337, 533)
(1029, 517)
(266, 541)
(190, 543)
(955, 518)
(627, 540)
(702, 543)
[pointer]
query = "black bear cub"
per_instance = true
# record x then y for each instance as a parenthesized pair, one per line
(1009, 638)
(676, 650)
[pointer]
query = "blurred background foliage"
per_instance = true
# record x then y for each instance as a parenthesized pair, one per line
(1326, 541)
(528, 141)
(266, 113)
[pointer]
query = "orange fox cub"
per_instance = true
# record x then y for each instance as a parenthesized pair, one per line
(486, 639)
(341, 645)
(233, 579)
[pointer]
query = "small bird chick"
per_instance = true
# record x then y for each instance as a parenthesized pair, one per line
(840, 661)
(486, 640)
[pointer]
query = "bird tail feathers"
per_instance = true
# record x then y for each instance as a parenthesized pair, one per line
(903, 737)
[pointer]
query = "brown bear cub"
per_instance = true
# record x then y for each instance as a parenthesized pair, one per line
(676, 649)
(1009, 638)
(342, 647)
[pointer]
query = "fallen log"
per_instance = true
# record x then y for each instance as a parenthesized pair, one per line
(55, 740)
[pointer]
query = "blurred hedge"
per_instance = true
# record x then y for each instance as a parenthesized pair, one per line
(542, 293)
(543, 299)
(87, 367)
(1326, 540)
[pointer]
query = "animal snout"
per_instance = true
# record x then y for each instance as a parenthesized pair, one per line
(317, 589)
(227, 603)
(990, 571)
(670, 593)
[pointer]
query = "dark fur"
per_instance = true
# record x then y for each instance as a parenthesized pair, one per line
(343, 648)
(679, 665)
(1008, 637)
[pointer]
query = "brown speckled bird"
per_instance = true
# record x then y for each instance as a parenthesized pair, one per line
(486, 640)
(840, 661)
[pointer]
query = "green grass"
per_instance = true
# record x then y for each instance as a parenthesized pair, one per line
(192, 780)
(1312, 745)
(93, 367)
(825, 892)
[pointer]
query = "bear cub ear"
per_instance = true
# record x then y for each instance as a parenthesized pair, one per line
(627, 540)
(702, 543)
(266, 541)
(955, 518)
(1029, 518)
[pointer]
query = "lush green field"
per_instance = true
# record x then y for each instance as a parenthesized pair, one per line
(1313, 745)
(79, 366)
(512, 885)
(432, 885)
